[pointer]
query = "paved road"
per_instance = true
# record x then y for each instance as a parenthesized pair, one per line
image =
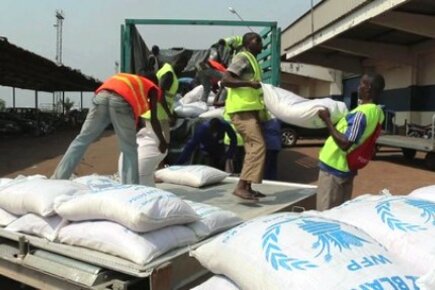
(29, 155)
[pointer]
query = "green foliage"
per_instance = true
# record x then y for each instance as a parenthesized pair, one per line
(2, 105)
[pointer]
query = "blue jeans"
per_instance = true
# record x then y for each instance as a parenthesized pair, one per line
(107, 107)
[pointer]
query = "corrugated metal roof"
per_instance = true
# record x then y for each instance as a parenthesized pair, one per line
(21, 68)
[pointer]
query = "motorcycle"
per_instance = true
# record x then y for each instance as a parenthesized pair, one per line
(419, 131)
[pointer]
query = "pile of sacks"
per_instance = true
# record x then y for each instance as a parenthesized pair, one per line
(133, 222)
(282, 104)
(371, 242)
(191, 105)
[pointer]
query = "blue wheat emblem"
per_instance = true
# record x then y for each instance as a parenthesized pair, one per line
(384, 211)
(100, 184)
(427, 208)
(275, 256)
(330, 234)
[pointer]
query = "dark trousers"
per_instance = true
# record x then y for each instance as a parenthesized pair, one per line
(271, 166)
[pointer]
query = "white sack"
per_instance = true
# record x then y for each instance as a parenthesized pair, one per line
(96, 182)
(114, 239)
(212, 219)
(4, 181)
(35, 195)
(298, 251)
(217, 282)
(405, 226)
(6, 218)
(191, 110)
(149, 156)
(191, 175)
(137, 207)
(214, 113)
(293, 109)
(210, 98)
(193, 95)
(427, 192)
(44, 227)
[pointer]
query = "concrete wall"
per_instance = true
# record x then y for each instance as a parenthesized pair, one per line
(306, 87)
(410, 90)
(325, 13)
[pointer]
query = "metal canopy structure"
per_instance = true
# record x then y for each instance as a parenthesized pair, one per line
(269, 59)
(23, 69)
(390, 31)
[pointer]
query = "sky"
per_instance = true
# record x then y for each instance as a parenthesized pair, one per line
(91, 30)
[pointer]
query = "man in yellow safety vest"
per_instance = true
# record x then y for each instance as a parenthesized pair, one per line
(351, 133)
(243, 105)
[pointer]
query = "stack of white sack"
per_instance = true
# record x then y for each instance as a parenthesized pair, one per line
(27, 204)
(191, 110)
(96, 182)
(426, 192)
(293, 109)
(135, 222)
(212, 219)
(191, 104)
(404, 225)
(299, 251)
(195, 95)
(213, 113)
(191, 175)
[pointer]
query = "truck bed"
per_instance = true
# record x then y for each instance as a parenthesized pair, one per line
(419, 144)
(80, 267)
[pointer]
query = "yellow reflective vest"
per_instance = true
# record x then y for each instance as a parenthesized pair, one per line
(169, 95)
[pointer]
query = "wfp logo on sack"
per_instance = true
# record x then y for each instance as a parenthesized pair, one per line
(100, 183)
(330, 236)
(388, 216)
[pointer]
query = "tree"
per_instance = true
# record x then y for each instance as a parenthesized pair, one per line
(2, 105)
(67, 104)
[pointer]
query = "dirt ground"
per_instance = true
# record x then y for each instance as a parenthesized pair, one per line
(39, 155)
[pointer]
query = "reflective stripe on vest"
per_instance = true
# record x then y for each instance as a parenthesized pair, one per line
(335, 157)
(134, 89)
(246, 98)
(234, 41)
(169, 95)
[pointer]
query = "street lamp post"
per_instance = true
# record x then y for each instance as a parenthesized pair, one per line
(232, 10)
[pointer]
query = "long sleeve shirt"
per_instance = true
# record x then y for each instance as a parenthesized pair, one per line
(208, 142)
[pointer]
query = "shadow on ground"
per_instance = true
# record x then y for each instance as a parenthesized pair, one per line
(394, 155)
(294, 166)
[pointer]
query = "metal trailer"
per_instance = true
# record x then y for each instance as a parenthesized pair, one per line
(48, 265)
(269, 58)
(410, 145)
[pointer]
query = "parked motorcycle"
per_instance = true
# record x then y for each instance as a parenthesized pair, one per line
(419, 131)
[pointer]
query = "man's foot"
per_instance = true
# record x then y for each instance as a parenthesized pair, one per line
(257, 193)
(245, 194)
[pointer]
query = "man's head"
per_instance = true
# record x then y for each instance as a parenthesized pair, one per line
(221, 42)
(252, 42)
(155, 50)
(180, 64)
(370, 87)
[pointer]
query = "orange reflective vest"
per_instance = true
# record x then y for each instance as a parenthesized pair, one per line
(133, 88)
(217, 65)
